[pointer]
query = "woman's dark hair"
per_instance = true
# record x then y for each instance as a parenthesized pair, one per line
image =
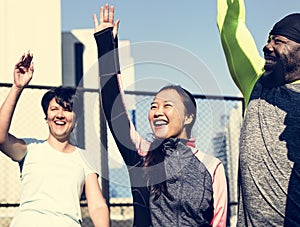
(67, 97)
(153, 162)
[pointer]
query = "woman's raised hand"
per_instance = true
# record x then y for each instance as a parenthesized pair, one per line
(23, 70)
(106, 20)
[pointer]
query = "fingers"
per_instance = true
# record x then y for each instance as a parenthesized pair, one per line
(107, 14)
(31, 68)
(106, 19)
(28, 62)
(19, 62)
(111, 14)
(101, 14)
(96, 23)
(25, 62)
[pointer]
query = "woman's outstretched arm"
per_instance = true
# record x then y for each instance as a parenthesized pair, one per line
(112, 99)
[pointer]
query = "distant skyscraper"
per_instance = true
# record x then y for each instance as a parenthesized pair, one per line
(220, 147)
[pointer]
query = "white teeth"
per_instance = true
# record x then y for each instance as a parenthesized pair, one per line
(59, 122)
(269, 61)
(159, 123)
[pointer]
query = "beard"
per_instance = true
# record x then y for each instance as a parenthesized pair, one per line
(282, 67)
(274, 74)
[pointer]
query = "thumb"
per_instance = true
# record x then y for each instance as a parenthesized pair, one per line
(116, 28)
(31, 68)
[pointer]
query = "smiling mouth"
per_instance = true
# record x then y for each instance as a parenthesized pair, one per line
(270, 60)
(269, 63)
(159, 123)
(60, 123)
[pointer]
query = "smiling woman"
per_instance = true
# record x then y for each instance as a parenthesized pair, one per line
(172, 182)
(53, 171)
(61, 117)
(170, 118)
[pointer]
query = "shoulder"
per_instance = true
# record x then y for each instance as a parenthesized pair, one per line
(208, 160)
(33, 141)
(33, 144)
(88, 159)
(211, 162)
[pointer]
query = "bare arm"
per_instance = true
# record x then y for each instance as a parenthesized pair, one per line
(9, 144)
(243, 59)
(97, 206)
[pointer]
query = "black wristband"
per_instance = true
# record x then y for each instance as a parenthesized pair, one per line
(108, 56)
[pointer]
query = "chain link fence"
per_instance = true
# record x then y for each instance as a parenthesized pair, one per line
(216, 132)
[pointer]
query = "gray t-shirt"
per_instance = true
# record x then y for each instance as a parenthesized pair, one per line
(269, 179)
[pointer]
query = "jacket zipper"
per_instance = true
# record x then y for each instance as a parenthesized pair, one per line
(180, 190)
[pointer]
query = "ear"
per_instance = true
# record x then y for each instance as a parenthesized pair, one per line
(188, 119)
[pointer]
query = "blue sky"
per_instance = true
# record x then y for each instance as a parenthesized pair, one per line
(186, 26)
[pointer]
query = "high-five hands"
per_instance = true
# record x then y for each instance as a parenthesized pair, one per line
(106, 20)
(23, 70)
